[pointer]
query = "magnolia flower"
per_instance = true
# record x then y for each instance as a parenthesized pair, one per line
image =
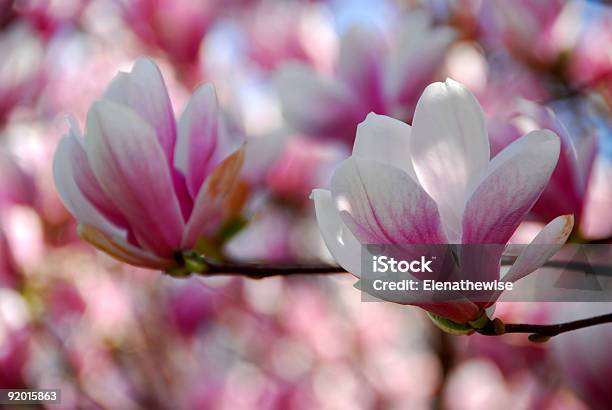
(434, 183)
(141, 186)
(371, 76)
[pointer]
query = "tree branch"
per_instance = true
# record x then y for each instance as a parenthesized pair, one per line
(205, 266)
(541, 333)
(258, 271)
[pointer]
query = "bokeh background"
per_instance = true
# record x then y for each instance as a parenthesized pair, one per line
(115, 337)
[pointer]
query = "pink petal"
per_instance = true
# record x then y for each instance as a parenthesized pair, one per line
(200, 143)
(383, 205)
(143, 90)
(73, 162)
(122, 250)
(513, 182)
(449, 147)
(131, 167)
(72, 196)
(220, 199)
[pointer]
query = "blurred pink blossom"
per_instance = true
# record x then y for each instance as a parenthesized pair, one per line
(14, 349)
(16, 185)
(176, 27)
(584, 355)
(278, 32)
(436, 177)
(21, 69)
(567, 188)
(371, 76)
(49, 16)
(304, 165)
(597, 222)
(529, 28)
(590, 61)
(141, 186)
(190, 306)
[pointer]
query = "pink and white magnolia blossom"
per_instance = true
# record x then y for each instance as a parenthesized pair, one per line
(142, 185)
(434, 183)
(371, 75)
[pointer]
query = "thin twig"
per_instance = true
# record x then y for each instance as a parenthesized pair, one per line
(541, 333)
(258, 271)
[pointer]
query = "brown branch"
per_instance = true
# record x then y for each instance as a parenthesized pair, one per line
(541, 333)
(212, 267)
(257, 271)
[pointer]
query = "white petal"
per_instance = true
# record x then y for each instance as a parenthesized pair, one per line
(342, 244)
(385, 139)
(143, 90)
(544, 245)
(449, 147)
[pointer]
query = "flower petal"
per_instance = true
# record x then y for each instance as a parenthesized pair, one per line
(122, 250)
(419, 50)
(383, 205)
(199, 133)
(143, 90)
(72, 161)
(513, 182)
(360, 64)
(342, 244)
(130, 166)
(318, 106)
(75, 200)
(220, 198)
(545, 244)
(386, 140)
(449, 147)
